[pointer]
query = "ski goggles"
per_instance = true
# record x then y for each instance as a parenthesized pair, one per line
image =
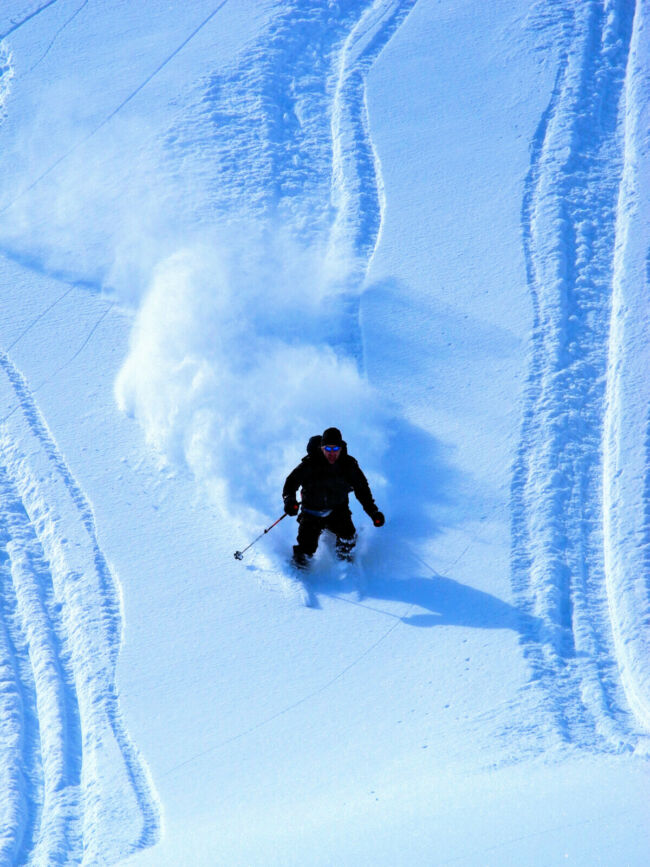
(331, 448)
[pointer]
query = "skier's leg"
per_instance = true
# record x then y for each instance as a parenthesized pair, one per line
(340, 523)
(309, 530)
(345, 548)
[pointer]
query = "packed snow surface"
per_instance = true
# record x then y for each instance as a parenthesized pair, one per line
(224, 227)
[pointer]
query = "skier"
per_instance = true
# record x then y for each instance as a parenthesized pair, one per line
(326, 475)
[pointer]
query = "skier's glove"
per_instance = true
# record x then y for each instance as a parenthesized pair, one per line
(378, 519)
(290, 506)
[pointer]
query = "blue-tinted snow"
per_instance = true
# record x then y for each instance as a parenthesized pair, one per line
(223, 227)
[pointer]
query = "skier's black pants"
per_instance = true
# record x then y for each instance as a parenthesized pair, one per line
(339, 522)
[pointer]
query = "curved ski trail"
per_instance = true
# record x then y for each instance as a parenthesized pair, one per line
(75, 789)
(568, 219)
(626, 470)
(283, 140)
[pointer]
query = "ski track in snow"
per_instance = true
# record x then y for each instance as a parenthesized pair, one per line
(65, 24)
(27, 16)
(74, 788)
(626, 494)
(569, 216)
(283, 136)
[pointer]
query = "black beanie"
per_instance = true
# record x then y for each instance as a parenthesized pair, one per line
(332, 437)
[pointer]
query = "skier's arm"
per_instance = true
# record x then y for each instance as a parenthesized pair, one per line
(364, 496)
(291, 485)
(362, 491)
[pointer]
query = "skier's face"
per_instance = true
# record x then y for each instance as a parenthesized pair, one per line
(332, 455)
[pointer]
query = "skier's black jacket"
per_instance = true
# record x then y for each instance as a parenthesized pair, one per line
(325, 485)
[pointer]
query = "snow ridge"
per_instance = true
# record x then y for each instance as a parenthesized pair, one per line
(284, 141)
(29, 600)
(568, 220)
(285, 129)
(6, 75)
(76, 790)
(626, 471)
(357, 190)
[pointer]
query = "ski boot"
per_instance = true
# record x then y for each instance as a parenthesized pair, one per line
(300, 559)
(345, 549)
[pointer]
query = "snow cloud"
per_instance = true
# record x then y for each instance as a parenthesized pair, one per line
(228, 372)
(87, 203)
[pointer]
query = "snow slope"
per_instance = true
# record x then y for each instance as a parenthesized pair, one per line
(223, 227)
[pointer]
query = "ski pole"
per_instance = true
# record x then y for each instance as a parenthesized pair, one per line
(239, 555)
